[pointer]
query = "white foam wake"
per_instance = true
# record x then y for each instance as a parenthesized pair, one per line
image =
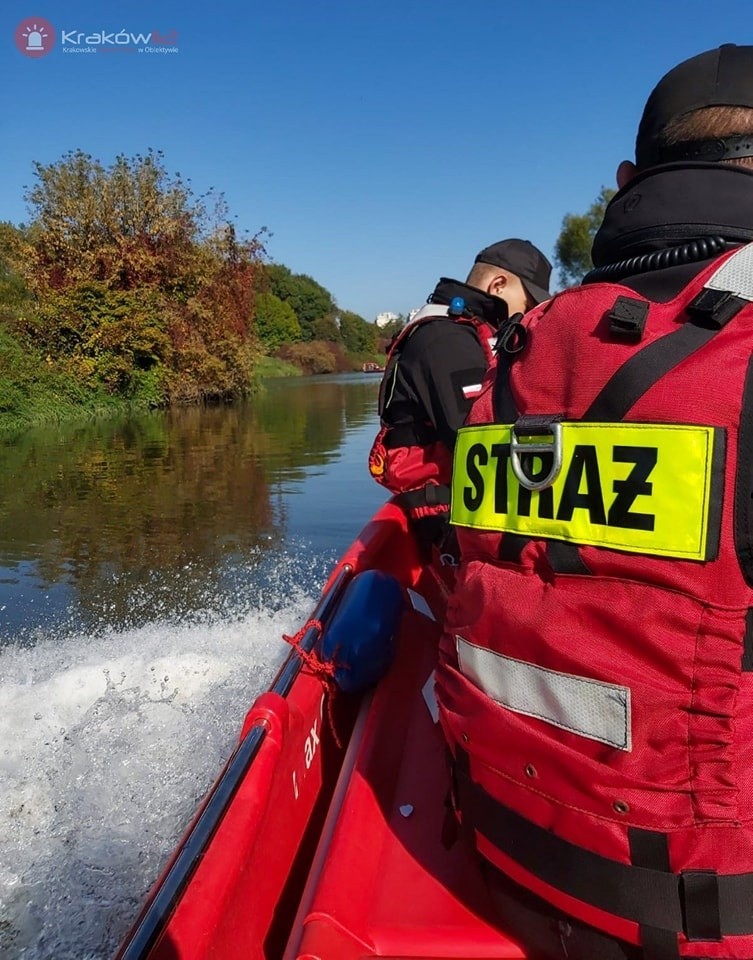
(107, 743)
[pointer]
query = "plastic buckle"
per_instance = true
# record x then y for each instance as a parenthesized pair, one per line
(716, 307)
(627, 318)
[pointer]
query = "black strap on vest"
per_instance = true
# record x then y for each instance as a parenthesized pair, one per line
(409, 435)
(651, 849)
(706, 317)
(743, 525)
(564, 557)
(703, 905)
(503, 404)
(708, 313)
(432, 495)
(505, 411)
(747, 661)
(511, 547)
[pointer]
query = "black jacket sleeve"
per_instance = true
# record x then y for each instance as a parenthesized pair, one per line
(437, 362)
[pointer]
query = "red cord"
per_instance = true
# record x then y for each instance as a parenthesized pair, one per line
(323, 669)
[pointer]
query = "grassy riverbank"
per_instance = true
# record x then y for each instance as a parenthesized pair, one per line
(33, 392)
(268, 367)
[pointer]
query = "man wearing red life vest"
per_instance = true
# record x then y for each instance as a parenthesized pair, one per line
(596, 672)
(435, 368)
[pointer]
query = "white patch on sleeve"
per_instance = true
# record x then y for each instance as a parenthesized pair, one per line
(472, 390)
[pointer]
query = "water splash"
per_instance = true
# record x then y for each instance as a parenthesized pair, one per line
(107, 743)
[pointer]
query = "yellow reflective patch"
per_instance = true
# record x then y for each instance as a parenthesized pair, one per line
(640, 487)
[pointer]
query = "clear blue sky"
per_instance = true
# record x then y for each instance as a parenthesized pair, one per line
(384, 143)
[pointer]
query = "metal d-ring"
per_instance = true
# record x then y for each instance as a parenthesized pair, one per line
(554, 448)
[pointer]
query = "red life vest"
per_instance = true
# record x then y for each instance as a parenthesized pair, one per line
(596, 673)
(409, 459)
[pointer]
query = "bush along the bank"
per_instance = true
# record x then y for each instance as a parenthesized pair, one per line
(124, 286)
(140, 288)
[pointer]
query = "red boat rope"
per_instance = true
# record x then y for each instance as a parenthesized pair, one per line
(323, 669)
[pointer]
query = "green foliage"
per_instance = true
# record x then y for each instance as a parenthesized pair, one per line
(34, 389)
(149, 387)
(11, 396)
(275, 322)
(103, 336)
(123, 225)
(15, 296)
(125, 289)
(326, 329)
(573, 247)
(357, 334)
(139, 288)
(310, 300)
(315, 357)
(267, 367)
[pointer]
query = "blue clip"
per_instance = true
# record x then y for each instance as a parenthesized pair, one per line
(457, 307)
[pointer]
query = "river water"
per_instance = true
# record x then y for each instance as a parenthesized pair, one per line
(147, 571)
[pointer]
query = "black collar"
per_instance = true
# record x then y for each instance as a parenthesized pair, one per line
(492, 310)
(674, 203)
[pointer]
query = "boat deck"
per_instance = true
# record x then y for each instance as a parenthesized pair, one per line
(383, 884)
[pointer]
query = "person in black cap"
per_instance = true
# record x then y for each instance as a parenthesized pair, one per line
(513, 270)
(689, 194)
(685, 200)
(435, 369)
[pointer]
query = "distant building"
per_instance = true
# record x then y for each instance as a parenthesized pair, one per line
(384, 318)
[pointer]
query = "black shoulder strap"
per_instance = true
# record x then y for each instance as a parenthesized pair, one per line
(725, 293)
(505, 411)
(648, 365)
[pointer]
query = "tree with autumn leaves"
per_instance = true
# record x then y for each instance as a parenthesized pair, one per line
(126, 282)
(140, 285)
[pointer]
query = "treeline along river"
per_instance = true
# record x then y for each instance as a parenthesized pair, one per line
(147, 571)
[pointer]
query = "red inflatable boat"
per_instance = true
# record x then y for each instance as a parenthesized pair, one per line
(322, 839)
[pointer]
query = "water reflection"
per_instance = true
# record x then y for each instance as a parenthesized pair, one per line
(147, 571)
(123, 522)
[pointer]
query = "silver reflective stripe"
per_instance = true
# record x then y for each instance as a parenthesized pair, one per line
(735, 274)
(591, 708)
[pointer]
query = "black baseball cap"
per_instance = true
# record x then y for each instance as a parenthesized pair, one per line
(525, 261)
(715, 78)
